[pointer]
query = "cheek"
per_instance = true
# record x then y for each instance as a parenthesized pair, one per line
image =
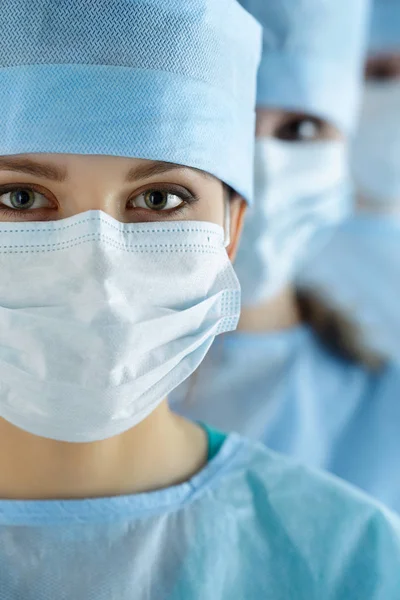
(210, 207)
(334, 134)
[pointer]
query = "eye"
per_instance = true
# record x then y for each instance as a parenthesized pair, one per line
(300, 129)
(383, 69)
(158, 200)
(23, 199)
(381, 72)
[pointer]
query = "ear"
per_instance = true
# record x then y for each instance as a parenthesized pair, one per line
(238, 208)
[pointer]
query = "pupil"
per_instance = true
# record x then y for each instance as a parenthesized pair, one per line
(157, 199)
(21, 198)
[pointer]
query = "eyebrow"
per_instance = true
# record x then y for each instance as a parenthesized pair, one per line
(31, 167)
(53, 173)
(153, 169)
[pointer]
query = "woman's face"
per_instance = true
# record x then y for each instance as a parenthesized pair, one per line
(41, 187)
(293, 126)
(47, 187)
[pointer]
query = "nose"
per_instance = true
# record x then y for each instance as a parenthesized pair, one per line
(94, 200)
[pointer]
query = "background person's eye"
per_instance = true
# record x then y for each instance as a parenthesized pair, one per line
(382, 69)
(158, 200)
(23, 199)
(300, 129)
(380, 73)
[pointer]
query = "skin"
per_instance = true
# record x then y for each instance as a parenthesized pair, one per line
(381, 68)
(164, 449)
(281, 312)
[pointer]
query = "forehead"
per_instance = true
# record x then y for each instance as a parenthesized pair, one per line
(60, 166)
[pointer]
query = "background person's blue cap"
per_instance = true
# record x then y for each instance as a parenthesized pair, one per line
(385, 27)
(167, 80)
(313, 54)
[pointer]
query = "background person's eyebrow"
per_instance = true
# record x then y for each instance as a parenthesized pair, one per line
(152, 169)
(31, 167)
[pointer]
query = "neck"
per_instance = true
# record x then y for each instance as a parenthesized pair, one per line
(275, 314)
(161, 451)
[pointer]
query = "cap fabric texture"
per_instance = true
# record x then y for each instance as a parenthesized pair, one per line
(166, 80)
(313, 53)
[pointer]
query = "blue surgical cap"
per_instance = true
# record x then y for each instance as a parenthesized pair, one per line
(385, 26)
(165, 80)
(312, 59)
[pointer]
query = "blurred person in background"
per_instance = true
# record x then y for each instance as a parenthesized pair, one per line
(358, 272)
(296, 374)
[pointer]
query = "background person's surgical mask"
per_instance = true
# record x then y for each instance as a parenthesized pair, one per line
(300, 188)
(358, 274)
(375, 157)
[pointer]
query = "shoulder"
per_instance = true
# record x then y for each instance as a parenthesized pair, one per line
(293, 487)
(341, 534)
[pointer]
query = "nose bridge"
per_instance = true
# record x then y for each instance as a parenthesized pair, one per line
(94, 194)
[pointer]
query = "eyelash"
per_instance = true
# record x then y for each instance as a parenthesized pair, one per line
(187, 198)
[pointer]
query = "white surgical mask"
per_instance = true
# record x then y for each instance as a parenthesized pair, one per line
(100, 320)
(375, 158)
(359, 274)
(301, 188)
